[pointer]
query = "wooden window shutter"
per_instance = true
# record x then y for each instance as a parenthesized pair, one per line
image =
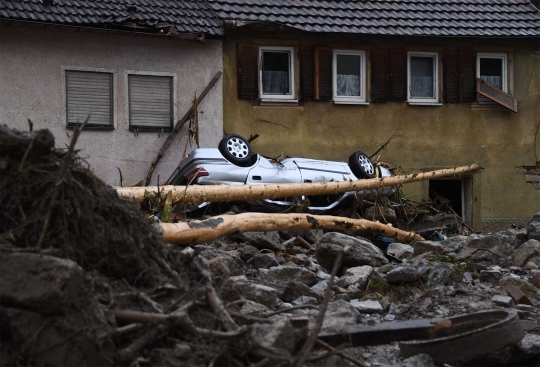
(247, 71)
(379, 75)
(89, 94)
(467, 66)
(495, 94)
(307, 89)
(323, 73)
(398, 75)
(451, 76)
(150, 101)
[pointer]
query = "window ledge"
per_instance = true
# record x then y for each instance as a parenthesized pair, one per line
(95, 128)
(147, 129)
(485, 106)
(433, 104)
(276, 100)
(352, 102)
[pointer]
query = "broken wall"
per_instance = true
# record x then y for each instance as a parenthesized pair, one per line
(31, 61)
(427, 137)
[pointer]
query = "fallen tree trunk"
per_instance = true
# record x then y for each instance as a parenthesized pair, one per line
(200, 231)
(225, 193)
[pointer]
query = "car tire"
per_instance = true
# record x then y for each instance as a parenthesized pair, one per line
(236, 149)
(361, 165)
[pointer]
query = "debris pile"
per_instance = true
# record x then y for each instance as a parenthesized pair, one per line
(86, 279)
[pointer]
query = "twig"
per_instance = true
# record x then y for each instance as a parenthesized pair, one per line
(355, 361)
(383, 146)
(121, 178)
(217, 306)
(63, 170)
(152, 335)
(248, 318)
(325, 355)
(306, 349)
(313, 307)
(142, 296)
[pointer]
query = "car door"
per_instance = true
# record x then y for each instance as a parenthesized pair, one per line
(313, 170)
(266, 172)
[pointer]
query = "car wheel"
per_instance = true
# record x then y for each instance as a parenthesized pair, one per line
(361, 165)
(236, 150)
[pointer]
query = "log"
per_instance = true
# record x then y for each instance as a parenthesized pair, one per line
(225, 193)
(28, 142)
(200, 231)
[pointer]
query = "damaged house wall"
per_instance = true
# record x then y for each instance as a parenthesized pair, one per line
(33, 60)
(426, 137)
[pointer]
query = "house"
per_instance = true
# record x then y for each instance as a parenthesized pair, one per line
(453, 82)
(132, 67)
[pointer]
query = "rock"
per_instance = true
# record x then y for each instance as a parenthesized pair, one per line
(356, 276)
(361, 252)
(518, 295)
(490, 276)
(385, 268)
(234, 262)
(535, 280)
(401, 275)
(381, 214)
(251, 307)
(247, 252)
(219, 269)
(389, 317)
(264, 261)
(533, 228)
(339, 315)
(421, 247)
(529, 251)
(320, 288)
(435, 274)
(297, 289)
(530, 265)
(278, 277)
(262, 240)
(258, 293)
(419, 360)
(502, 244)
(454, 244)
(400, 250)
(37, 282)
(367, 306)
(305, 300)
(528, 289)
(312, 236)
(322, 275)
(503, 301)
(278, 334)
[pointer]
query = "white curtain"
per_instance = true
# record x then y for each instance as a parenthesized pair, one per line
(494, 80)
(348, 85)
(422, 86)
(275, 82)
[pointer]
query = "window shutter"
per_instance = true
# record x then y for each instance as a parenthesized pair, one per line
(248, 73)
(323, 73)
(468, 75)
(379, 75)
(150, 101)
(307, 90)
(89, 94)
(495, 94)
(398, 75)
(451, 76)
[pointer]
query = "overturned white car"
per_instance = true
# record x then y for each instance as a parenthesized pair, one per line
(233, 163)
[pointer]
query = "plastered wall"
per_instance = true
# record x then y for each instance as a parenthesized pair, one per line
(31, 61)
(426, 137)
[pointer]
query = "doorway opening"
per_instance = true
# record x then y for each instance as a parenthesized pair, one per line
(455, 193)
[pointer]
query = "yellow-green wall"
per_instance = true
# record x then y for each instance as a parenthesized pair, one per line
(425, 136)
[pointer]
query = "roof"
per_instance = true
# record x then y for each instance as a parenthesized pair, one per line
(175, 16)
(391, 17)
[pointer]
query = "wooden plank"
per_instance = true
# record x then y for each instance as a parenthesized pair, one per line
(496, 95)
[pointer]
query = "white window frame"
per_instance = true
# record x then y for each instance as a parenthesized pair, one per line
(114, 73)
(424, 100)
(350, 99)
(278, 97)
(149, 73)
(489, 55)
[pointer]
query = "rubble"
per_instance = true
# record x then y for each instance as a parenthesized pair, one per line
(126, 297)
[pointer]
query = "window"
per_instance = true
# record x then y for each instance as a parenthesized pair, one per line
(349, 76)
(422, 77)
(89, 95)
(491, 68)
(150, 102)
(276, 72)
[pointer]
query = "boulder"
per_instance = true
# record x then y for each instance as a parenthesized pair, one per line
(296, 289)
(320, 288)
(368, 306)
(528, 252)
(454, 244)
(42, 283)
(278, 334)
(527, 288)
(400, 250)
(434, 273)
(262, 240)
(503, 244)
(339, 315)
(421, 247)
(403, 274)
(490, 276)
(259, 293)
(264, 261)
(361, 251)
(234, 262)
(533, 228)
(357, 275)
(278, 277)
